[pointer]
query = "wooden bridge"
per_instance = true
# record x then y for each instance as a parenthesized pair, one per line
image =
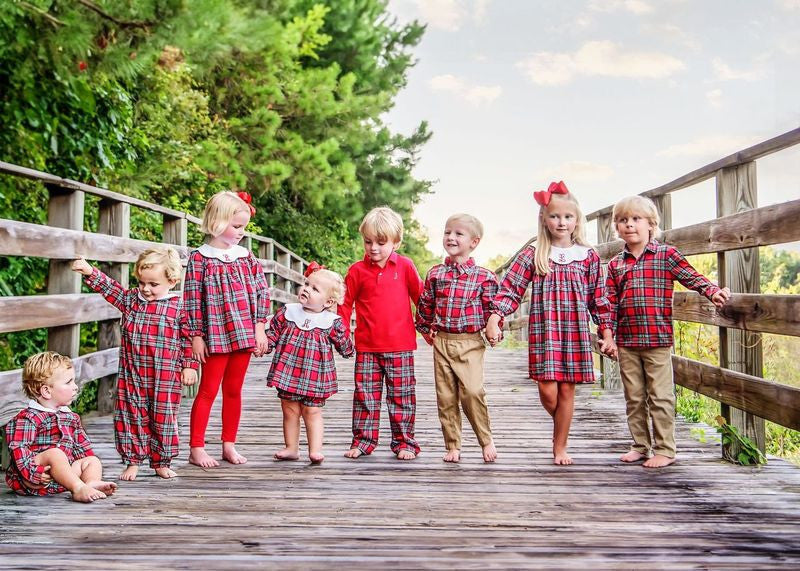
(376, 511)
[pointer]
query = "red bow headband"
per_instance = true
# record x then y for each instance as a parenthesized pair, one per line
(313, 267)
(249, 200)
(543, 196)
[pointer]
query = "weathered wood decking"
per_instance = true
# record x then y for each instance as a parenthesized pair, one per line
(378, 512)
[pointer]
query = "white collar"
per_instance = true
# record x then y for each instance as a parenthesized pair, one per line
(307, 320)
(574, 253)
(227, 255)
(36, 406)
(169, 295)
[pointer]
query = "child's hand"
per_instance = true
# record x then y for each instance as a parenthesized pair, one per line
(82, 266)
(493, 334)
(608, 348)
(721, 297)
(262, 343)
(429, 337)
(46, 478)
(199, 349)
(188, 377)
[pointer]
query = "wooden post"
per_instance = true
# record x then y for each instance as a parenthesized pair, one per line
(664, 206)
(64, 210)
(266, 251)
(739, 270)
(115, 220)
(610, 368)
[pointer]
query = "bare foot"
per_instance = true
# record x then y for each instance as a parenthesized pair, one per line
(406, 454)
(286, 454)
(632, 456)
(353, 453)
(199, 457)
(489, 452)
(229, 454)
(316, 458)
(658, 461)
(108, 488)
(86, 494)
(453, 455)
(561, 458)
(166, 472)
(129, 473)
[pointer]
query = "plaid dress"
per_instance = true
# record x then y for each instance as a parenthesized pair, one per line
(560, 347)
(34, 430)
(225, 294)
(303, 363)
(155, 348)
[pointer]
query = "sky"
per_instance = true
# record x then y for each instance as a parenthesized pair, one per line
(614, 97)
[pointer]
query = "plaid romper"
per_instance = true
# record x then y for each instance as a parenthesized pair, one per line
(303, 363)
(155, 348)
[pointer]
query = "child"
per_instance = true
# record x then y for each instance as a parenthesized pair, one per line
(566, 284)
(452, 310)
(381, 285)
(303, 369)
(50, 452)
(155, 356)
(639, 291)
(227, 302)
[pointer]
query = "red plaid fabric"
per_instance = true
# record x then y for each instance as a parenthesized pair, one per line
(305, 401)
(33, 431)
(155, 348)
(456, 298)
(559, 345)
(401, 400)
(225, 300)
(303, 363)
(639, 293)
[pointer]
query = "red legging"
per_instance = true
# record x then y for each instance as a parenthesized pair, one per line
(227, 369)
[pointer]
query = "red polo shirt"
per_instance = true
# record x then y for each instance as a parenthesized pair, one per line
(381, 296)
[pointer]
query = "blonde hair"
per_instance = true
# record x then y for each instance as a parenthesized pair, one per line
(39, 369)
(220, 210)
(473, 224)
(382, 223)
(337, 288)
(640, 205)
(166, 257)
(543, 240)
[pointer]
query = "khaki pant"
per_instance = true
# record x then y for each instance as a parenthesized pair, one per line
(649, 394)
(458, 370)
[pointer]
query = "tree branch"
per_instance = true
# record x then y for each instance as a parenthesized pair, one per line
(122, 23)
(52, 19)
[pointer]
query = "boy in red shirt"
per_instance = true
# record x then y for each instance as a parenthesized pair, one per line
(381, 286)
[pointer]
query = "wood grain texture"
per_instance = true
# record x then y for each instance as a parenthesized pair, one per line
(764, 313)
(20, 313)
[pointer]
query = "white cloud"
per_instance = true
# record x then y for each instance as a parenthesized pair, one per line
(581, 171)
(789, 4)
(726, 73)
(714, 97)
(716, 146)
(474, 94)
(479, 10)
(598, 58)
(633, 6)
(673, 34)
(447, 15)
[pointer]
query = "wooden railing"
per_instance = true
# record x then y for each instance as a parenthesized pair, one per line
(64, 308)
(735, 234)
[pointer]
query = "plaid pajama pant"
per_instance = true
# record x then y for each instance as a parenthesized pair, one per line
(401, 400)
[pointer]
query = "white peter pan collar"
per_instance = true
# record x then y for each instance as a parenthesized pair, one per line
(168, 296)
(227, 255)
(36, 406)
(574, 253)
(307, 320)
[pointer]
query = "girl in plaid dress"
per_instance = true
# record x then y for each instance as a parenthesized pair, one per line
(566, 280)
(155, 357)
(303, 370)
(227, 302)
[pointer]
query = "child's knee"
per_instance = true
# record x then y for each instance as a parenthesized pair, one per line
(51, 456)
(311, 412)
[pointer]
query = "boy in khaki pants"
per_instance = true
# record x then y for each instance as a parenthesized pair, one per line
(451, 313)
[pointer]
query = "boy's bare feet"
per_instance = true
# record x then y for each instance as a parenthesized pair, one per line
(199, 457)
(453, 455)
(86, 494)
(658, 461)
(406, 454)
(632, 456)
(561, 458)
(353, 453)
(229, 454)
(129, 473)
(108, 488)
(286, 454)
(489, 452)
(166, 472)
(316, 458)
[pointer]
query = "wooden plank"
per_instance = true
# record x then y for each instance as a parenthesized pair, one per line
(20, 313)
(281, 296)
(763, 313)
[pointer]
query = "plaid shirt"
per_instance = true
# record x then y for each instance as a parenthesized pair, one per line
(456, 298)
(225, 300)
(639, 292)
(33, 431)
(303, 363)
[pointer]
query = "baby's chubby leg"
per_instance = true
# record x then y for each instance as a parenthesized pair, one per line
(291, 431)
(312, 416)
(57, 466)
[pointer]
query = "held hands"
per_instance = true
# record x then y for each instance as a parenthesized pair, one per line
(82, 267)
(199, 349)
(429, 337)
(607, 345)
(188, 377)
(262, 343)
(721, 297)
(493, 334)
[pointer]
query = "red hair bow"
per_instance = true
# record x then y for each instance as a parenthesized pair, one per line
(249, 200)
(543, 196)
(313, 267)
